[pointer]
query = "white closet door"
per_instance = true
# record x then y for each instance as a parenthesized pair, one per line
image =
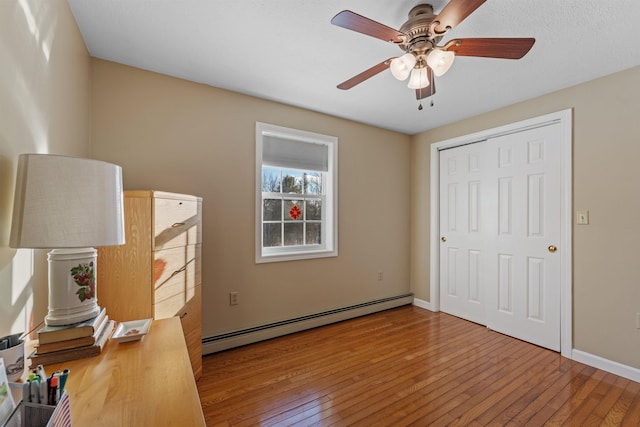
(463, 232)
(499, 225)
(525, 287)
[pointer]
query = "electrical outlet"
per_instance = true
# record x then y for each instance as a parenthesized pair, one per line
(233, 298)
(380, 276)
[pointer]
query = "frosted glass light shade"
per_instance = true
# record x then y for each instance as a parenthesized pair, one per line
(402, 66)
(68, 204)
(419, 78)
(440, 61)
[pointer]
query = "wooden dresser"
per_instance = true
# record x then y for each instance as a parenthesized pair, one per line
(157, 273)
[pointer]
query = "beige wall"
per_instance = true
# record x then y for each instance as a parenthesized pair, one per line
(173, 135)
(44, 108)
(606, 149)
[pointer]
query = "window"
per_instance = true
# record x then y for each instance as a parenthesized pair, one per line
(296, 194)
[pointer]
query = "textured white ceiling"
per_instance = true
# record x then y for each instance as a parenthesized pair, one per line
(287, 51)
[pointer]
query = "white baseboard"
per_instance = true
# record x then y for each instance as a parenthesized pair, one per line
(248, 336)
(606, 365)
(423, 304)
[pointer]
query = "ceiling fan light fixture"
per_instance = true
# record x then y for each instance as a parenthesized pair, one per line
(440, 61)
(419, 78)
(402, 66)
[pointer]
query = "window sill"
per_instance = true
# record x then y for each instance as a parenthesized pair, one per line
(295, 256)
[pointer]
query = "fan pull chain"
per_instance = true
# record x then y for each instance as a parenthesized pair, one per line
(420, 94)
(431, 87)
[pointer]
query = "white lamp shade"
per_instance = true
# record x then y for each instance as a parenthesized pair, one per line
(402, 66)
(419, 78)
(440, 61)
(67, 202)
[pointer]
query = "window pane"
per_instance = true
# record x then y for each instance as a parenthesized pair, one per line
(313, 183)
(314, 210)
(293, 210)
(270, 179)
(313, 233)
(293, 233)
(272, 209)
(292, 181)
(271, 235)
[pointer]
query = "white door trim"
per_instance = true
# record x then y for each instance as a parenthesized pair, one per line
(564, 118)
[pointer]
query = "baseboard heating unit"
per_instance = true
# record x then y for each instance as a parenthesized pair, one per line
(233, 339)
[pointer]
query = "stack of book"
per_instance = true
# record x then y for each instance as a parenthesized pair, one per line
(58, 344)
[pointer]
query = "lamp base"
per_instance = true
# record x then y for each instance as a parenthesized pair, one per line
(72, 286)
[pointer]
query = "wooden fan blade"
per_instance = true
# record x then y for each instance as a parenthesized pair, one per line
(352, 21)
(429, 90)
(454, 13)
(505, 48)
(367, 74)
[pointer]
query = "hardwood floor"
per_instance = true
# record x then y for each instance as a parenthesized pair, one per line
(408, 366)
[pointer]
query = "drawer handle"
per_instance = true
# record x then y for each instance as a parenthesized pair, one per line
(177, 224)
(183, 315)
(183, 268)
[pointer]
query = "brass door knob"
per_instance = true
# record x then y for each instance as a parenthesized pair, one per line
(552, 248)
(444, 239)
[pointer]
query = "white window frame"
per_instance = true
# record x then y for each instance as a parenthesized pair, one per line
(329, 246)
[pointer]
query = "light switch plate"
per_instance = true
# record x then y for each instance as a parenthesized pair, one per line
(582, 217)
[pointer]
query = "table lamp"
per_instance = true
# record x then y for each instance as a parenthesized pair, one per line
(69, 205)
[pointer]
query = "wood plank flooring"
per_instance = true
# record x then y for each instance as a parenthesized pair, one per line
(409, 367)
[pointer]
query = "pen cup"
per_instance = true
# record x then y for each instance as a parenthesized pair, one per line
(14, 359)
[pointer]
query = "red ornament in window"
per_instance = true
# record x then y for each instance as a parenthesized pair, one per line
(295, 212)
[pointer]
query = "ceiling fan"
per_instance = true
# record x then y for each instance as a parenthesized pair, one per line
(419, 38)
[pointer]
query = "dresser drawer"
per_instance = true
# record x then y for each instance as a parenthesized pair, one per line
(176, 222)
(176, 274)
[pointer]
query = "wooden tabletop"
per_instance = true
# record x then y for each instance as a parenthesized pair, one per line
(139, 383)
